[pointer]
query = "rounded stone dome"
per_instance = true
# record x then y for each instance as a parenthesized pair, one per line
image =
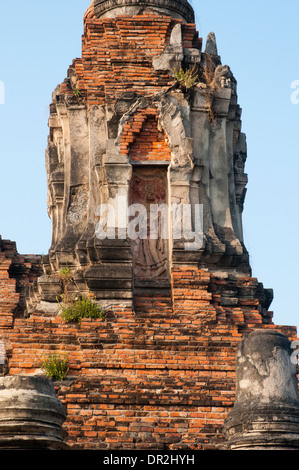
(180, 9)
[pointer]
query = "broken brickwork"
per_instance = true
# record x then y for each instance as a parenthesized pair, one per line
(17, 274)
(117, 57)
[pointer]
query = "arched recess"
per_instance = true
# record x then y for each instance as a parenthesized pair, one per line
(148, 152)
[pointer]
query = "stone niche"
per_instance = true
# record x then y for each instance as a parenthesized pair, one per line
(120, 113)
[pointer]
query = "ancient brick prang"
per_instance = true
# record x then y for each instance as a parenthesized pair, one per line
(265, 415)
(124, 105)
(145, 118)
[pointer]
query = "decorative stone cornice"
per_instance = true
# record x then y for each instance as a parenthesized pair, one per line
(176, 8)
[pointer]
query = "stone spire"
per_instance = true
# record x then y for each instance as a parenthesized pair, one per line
(180, 9)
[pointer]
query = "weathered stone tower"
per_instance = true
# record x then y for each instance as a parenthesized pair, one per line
(122, 129)
(145, 117)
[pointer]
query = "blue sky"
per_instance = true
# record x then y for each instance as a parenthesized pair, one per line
(258, 40)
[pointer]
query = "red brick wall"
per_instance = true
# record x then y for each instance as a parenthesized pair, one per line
(161, 379)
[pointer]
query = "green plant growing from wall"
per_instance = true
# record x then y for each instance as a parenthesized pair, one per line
(187, 79)
(55, 367)
(82, 306)
(74, 307)
(77, 92)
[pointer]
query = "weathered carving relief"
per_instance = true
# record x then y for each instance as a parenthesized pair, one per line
(151, 251)
(78, 207)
